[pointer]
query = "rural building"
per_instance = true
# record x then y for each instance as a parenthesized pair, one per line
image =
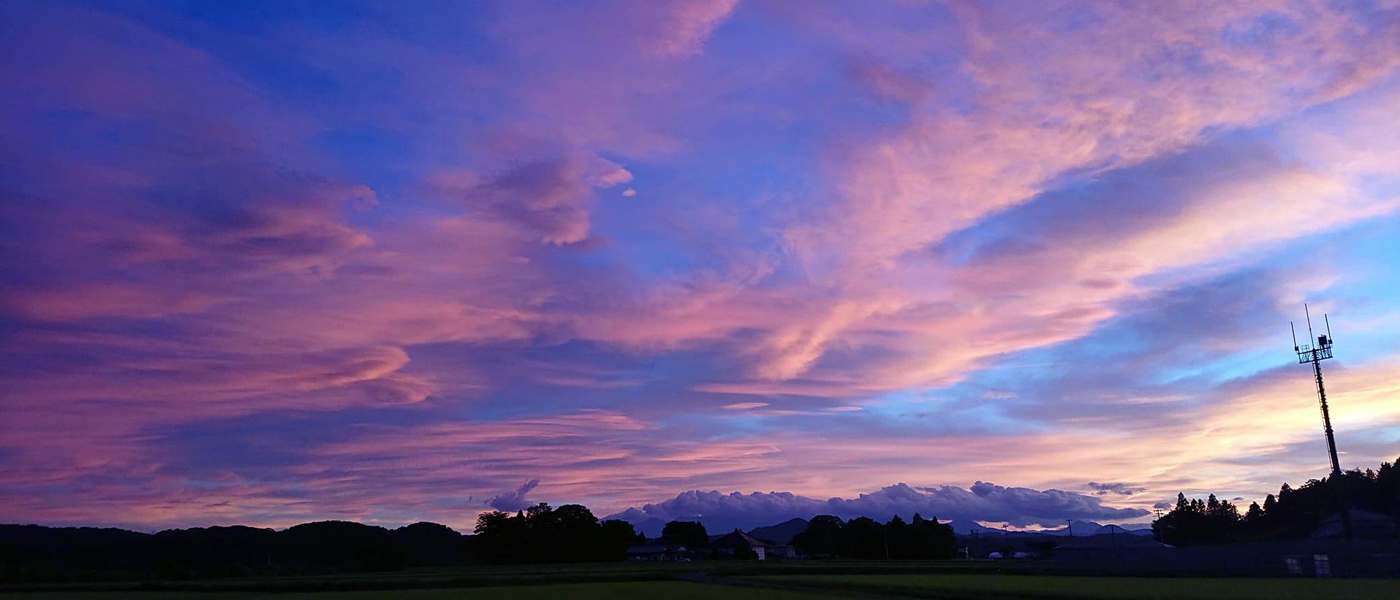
(1365, 525)
(782, 551)
(740, 545)
(657, 553)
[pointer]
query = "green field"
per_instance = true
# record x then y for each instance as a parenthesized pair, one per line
(646, 590)
(803, 580)
(1097, 588)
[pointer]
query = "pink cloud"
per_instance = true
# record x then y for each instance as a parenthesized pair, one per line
(187, 251)
(681, 28)
(549, 198)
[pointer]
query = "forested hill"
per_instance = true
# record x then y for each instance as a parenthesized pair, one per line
(569, 533)
(1292, 514)
(32, 552)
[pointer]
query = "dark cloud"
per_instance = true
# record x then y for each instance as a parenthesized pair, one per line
(1119, 488)
(982, 502)
(514, 500)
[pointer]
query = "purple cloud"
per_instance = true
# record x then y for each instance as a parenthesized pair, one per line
(514, 500)
(1118, 488)
(558, 240)
(984, 501)
(550, 199)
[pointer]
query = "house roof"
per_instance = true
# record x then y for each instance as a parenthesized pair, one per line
(736, 537)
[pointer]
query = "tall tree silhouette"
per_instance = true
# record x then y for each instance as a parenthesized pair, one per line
(866, 538)
(1295, 513)
(569, 533)
(690, 534)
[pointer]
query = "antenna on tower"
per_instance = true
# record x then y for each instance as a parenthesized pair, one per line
(1318, 349)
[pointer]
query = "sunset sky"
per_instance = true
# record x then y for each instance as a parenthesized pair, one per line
(266, 263)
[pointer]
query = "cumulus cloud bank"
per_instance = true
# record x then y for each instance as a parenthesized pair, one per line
(983, 501)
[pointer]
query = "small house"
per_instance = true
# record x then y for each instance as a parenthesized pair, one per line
(656, 553)
(738, 544)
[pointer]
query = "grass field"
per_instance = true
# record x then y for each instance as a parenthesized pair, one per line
(646, 590)
(958, 586)
(802, 580)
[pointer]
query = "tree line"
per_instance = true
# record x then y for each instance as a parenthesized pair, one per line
(538, 534)
(866, 538)
(35, 553)
(1292, 514)
(569, 533)
(541, 534)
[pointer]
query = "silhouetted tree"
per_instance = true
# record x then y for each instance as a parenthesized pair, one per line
(538, 534)
(615, 537)
(500, 537)
(901, 538)
(1254, 515)
(690, 534)
(569, 533)
(824, 536)
(1294, 513)
(867, 538)
(862, 537)
(934, 540)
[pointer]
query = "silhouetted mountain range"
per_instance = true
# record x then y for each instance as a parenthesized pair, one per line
(650, 527)
(965, 527)
(1090, 528)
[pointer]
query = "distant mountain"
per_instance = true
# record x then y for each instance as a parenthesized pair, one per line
(1088, 528)
(965, 527)
(782, 533)
(650, 527)
(1138, 529)
(1077, 529)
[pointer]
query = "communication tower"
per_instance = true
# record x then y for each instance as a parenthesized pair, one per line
(1317, 350)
